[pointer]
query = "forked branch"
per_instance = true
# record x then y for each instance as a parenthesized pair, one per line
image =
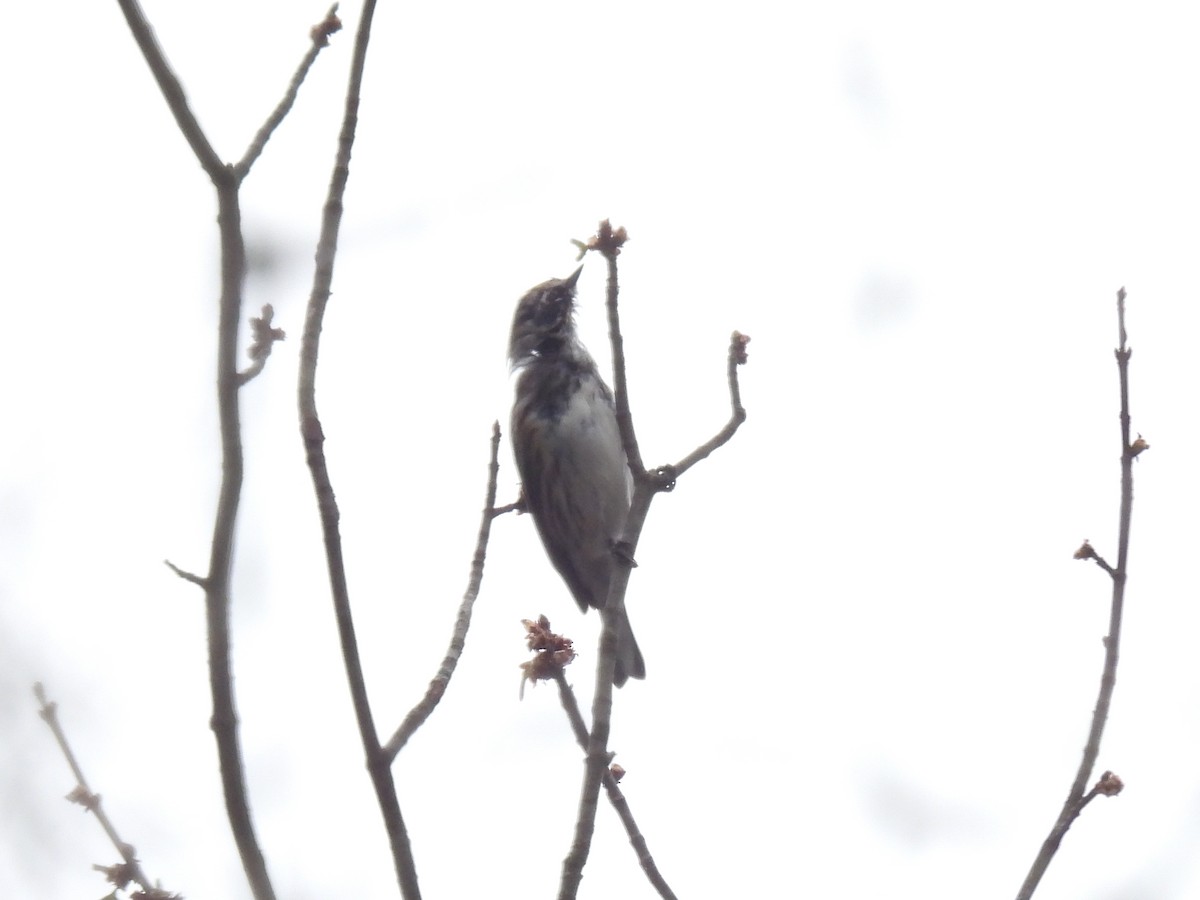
(226, 179)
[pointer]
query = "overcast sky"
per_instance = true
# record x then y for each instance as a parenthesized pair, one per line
(871, 658)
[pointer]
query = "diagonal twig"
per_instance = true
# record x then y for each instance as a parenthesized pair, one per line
(437, 687)
(171, 89)
(320, 35)
(131, 869)
(1109, 784)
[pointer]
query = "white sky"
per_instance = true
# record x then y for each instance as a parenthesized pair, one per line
(871, 657)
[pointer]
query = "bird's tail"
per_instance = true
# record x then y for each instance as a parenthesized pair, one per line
(629, 658)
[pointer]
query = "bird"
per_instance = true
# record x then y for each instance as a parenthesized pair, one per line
(574, 475)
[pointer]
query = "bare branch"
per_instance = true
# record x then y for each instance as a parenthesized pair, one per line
(737, 357)
(224, 720)
(313, 435)
(130, 870)
(320, 34)
(172, 91)
(1109, 784)
(608, 242)
(437, 687)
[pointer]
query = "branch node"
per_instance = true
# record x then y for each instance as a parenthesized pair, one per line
(518, 506)
(663, 478)
(83, 797)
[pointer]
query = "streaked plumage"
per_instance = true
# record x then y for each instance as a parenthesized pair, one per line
(568, 451)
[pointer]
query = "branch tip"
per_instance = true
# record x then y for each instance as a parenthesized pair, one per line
(323, 30)
(1109, 785)
(607, 241)
(265, 335)
(552, 652)
(737, 347)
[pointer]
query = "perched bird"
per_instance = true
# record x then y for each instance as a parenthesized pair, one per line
(568, 450)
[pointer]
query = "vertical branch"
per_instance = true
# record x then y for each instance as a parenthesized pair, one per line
(216, 583)
(1108, 784)
(609, 244)
(378, 763)
(216, 595)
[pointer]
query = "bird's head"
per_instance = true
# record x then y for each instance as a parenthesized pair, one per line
(544, 320)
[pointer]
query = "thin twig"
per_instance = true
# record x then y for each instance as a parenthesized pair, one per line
(609, 241)
(172, 90)
(437, 687)
(89, 800)
(186, 575)
(737, 357)
(378, 764)
(1108, 784)
(615, 795)
(320, 40)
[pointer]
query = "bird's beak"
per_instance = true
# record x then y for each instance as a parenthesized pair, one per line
(572, 278)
